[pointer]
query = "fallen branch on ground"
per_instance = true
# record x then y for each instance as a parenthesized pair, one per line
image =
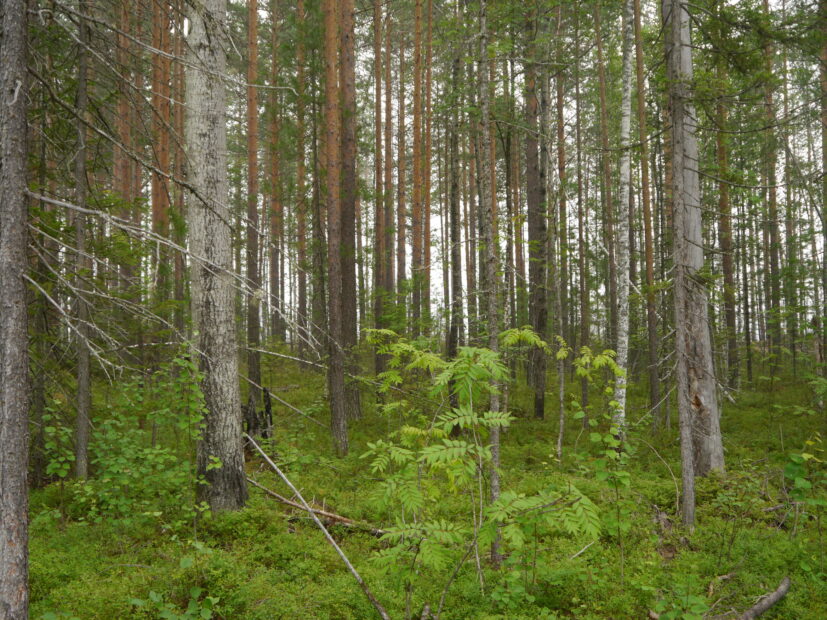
(373, 601)
(764, 602)
(719, 579)
(767, 601)
(330, 516)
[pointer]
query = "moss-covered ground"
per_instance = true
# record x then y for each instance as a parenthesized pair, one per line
(270, 561)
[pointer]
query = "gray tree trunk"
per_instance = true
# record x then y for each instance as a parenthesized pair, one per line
(14, 362)
(253, 268)
(701, 444)
(208, 220)
(84, 388)
(822, 12)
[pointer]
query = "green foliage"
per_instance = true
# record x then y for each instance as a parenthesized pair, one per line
(683, 603)
(808, 475)
(57, 443)
(198, 608)
(425, 469)
(522, 338)
(140, 450)
(560, 548)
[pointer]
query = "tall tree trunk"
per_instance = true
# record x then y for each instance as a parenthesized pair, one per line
(161, 108)
(725, 234)
(253, 272)
(318, 248)
(562, 236)
(208, 219)
(538, 311)
(471, 244)
(771, 145)
(379, 240)
(121, 160)
(742, 248)
(277, 308)
(361, 285)
(511, 290)
(14, 361)
(389, 213)
(624, 197)
(84, 387)
(562, 215)
(416, 204)
(456, 317)
(401, 207)
(582, 274)
(648, 238)
(608, 205)
(332, 118)
(519, 245)
(347, 251)
(488, 216)
(822, 11)
(426, 180)
(791, 274)
(179, 230)
(701, 444)
(302, 327)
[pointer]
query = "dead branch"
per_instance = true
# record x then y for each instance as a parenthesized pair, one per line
(373, 600)
(719, 579)
(330, 516)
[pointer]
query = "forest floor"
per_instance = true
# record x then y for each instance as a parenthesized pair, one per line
(270, 561)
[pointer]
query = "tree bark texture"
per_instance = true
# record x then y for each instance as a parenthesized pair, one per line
(606, 165)
(380, 265)
(349, 194)
(209, 224)
(624, 196)
(253, 271)
(14, 361)
(401, 189)
(538, 311)
(416, 199)
(332, 119)
(648, 237)
(488, 240)
(701, 445)
(84, 381)
(302, 327)
(456, 319)
(277, 246)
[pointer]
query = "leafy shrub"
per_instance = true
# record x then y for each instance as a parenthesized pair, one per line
(198, 608)
(431, 471)
(140, 450)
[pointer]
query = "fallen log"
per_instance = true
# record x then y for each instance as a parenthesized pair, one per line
(767, 601)
(330, 516)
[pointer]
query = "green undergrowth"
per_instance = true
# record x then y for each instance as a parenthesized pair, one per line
(757, 523)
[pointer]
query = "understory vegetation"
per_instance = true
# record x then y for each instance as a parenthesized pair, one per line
(595, 535)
